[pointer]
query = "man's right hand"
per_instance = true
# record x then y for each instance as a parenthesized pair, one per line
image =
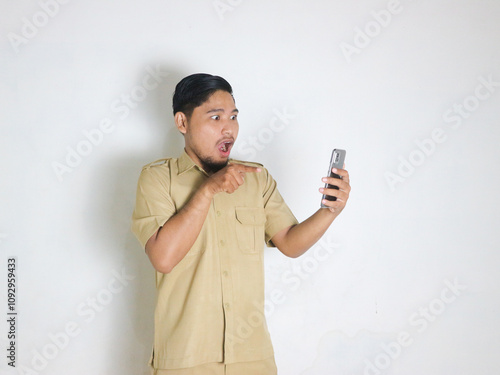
(228, 179)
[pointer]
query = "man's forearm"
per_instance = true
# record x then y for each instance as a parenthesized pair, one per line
(168, 246)
(299, 238)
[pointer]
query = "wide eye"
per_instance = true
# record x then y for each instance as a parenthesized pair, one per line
(215, 117)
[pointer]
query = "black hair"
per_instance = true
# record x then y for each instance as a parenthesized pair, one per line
(194, 90)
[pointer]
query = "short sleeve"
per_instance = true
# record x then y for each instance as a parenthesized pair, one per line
(278, 214)
(153, 205)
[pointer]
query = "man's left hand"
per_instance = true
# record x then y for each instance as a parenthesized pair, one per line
(342, 194)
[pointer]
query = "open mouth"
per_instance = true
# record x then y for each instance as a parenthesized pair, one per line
(225, 147)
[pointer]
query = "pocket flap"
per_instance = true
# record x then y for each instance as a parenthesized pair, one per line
(251, 215)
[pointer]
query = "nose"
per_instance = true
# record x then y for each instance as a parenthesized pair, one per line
(229, 127)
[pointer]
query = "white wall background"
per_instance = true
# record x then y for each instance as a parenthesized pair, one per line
(377, 295)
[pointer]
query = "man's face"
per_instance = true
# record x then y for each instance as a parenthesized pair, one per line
(211, 132)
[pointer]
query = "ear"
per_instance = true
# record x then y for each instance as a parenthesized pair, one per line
(181, 122)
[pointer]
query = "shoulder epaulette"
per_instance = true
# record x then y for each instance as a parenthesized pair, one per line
(156, 163)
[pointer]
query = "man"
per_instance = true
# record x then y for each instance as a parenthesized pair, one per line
(203, 220)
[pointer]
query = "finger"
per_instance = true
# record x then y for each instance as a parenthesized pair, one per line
(246, 168)
(333, 204)
(341, 184)
(339, 194)
(235, 185)
(342, 173)
(230, 186)
(239, 177)
(236, 174)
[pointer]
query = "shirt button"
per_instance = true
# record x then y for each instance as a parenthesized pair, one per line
(218, 213)
(222, 242)
(225, 273)
(226, 305)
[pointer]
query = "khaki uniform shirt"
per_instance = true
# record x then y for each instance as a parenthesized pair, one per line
(210, 307)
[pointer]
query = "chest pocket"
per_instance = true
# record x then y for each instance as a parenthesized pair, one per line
(250, 222)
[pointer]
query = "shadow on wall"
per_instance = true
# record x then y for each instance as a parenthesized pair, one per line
(114, 204)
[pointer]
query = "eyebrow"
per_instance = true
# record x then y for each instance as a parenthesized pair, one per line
(222, 110)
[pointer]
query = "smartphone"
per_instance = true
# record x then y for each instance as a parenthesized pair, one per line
(336, 161)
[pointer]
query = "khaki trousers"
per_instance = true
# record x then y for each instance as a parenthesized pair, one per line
(263, 367)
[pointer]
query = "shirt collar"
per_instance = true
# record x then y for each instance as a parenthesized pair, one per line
(185, 163)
